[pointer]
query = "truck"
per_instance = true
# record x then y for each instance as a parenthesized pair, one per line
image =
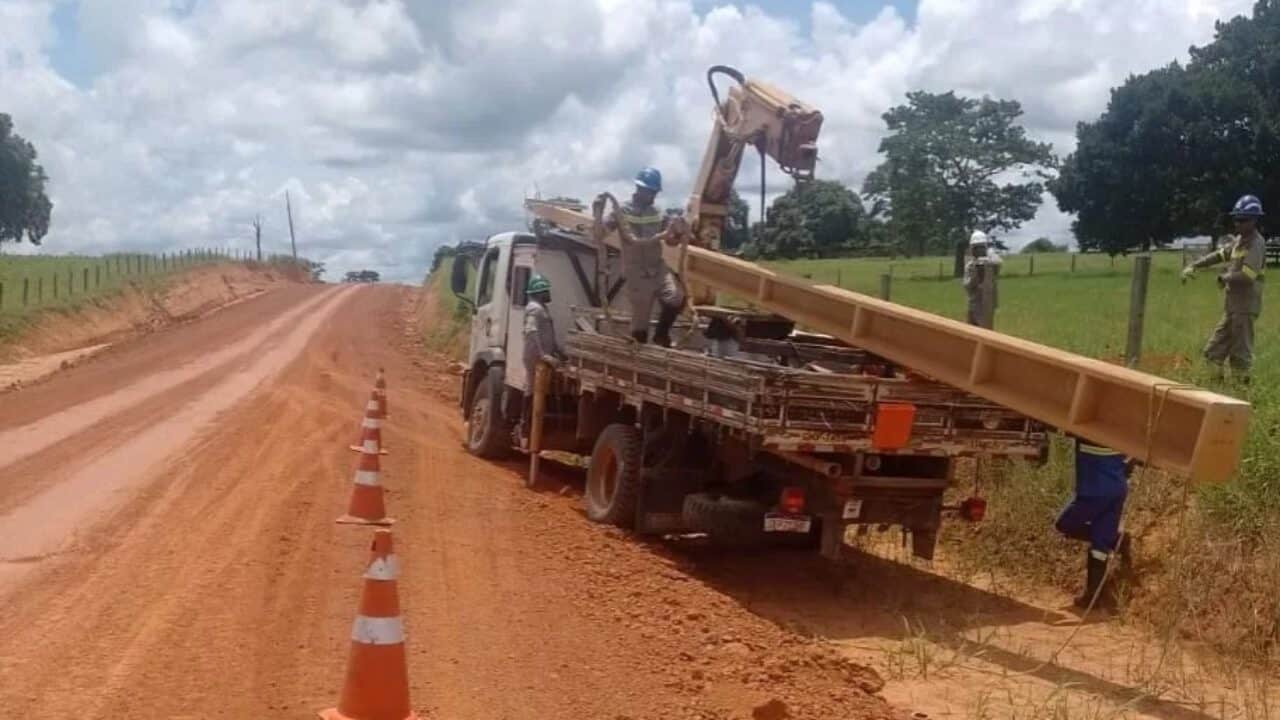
(791, 440)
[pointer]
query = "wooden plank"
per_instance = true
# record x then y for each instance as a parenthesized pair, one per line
(1176, 427)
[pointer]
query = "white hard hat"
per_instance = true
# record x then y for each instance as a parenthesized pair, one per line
(977, 238)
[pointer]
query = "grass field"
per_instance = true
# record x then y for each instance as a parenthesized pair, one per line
(31, 284)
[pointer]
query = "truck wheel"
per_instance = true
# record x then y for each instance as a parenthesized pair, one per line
(488, 434)
(727, 521)
(613, 478)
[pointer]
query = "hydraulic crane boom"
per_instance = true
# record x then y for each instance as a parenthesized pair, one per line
(1175, 427)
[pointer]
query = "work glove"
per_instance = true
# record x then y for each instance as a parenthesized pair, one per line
(1188, 272)
(552, 360)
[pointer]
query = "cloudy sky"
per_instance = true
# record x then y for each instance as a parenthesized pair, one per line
(398, 125)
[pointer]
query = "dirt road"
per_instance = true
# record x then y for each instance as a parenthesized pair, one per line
(168, 550)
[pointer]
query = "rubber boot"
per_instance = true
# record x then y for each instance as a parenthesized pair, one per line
(1095, 575)
(640, 336)
(666, 318)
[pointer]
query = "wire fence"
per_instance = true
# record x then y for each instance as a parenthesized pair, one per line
(32, 282)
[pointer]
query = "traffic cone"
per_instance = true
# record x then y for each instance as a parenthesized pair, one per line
(380, 388)
(377, 682)
(370, 430)
(367, 506)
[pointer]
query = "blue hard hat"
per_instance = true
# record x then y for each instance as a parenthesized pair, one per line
(649, 178)
(1247, 206)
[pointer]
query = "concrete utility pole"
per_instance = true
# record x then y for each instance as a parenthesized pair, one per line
(257, 234)
(293, 243)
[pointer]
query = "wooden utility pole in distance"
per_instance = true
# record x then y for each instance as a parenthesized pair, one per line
(288, 208)
(257, 234)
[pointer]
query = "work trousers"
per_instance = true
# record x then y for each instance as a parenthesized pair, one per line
(642, 291)
(1232, 340)
(1095, 520)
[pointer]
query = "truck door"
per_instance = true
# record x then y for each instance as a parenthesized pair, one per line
(489, 328)
(522, 257)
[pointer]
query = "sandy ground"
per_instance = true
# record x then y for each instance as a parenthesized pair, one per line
(168, 550)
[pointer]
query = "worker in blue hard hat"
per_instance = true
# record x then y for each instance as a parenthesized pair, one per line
(1241, 281)
(646, 275)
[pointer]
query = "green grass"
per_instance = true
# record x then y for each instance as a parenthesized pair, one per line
(1231, 533)
(34, 284)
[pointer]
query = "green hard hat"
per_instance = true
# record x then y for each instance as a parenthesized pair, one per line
(537, 284)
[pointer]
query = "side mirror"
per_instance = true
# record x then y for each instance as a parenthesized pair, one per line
(458, 276)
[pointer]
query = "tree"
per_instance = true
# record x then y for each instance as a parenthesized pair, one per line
(1043, 245)
(822, 218)
(737, 226)
(24, 207)
(953, 165)
(1176, 146)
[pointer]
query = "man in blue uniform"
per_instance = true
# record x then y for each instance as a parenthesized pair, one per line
(1093, 515)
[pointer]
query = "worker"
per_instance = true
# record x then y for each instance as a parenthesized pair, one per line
(976, 268)
(1094, 513)
(539, 339)
(643, 268)
(1245, 256)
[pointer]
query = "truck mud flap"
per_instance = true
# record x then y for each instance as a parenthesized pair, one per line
(660, 510)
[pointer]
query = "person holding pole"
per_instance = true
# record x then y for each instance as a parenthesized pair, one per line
(1094, 514)
(1241, 282)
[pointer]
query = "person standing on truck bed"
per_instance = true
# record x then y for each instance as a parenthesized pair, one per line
(645, 272)
(1094, 514)
(539, 339)
(975, 271)
(1242, 284)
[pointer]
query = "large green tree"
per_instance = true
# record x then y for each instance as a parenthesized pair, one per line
(1176, 146)
(24, 207)
(953, 165)
(820, 218)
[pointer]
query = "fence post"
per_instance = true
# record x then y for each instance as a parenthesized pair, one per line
(1137, 308)
(839, 278)
(1073, 261)
(1113, 263)
(1031, 265)
(988, 314)
(71, 282)
(40, 291)
(55, 286)
(885, 281)
(97, 276)
(1, 296)
(940, 275)
(26, 290)
(86, 281)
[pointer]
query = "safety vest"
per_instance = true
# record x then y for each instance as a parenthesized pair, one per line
(643, 258)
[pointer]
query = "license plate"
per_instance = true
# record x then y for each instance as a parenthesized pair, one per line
(782, 523)
(852, 509)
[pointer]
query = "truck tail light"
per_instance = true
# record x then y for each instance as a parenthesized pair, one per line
(974, 509)
(792, 500)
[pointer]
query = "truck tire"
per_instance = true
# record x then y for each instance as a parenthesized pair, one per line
(488, 433)
(613, 477)
(727, 521)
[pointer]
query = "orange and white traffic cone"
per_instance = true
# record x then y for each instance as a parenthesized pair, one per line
(380, 389)
(370, 430)
(377, 683)
(367, 506)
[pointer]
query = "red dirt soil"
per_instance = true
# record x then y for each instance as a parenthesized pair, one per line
(173, 554)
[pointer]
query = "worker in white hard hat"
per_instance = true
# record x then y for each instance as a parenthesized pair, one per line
(976, 270)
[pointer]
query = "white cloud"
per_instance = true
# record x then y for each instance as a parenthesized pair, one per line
(398, 125)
